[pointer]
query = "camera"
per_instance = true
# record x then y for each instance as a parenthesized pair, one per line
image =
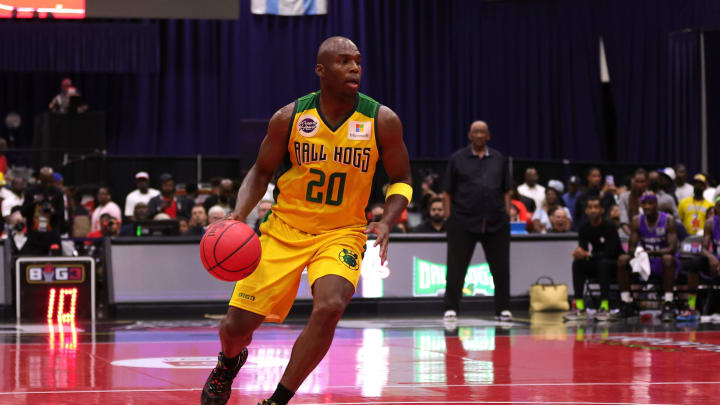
(47, 207)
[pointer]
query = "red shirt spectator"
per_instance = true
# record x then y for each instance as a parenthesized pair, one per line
(522, 211)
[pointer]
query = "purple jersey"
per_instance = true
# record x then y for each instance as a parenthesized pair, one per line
(654, 238)
(716, 236)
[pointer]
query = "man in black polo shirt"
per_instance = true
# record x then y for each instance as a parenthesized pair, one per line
(596, 256)
(477, 189)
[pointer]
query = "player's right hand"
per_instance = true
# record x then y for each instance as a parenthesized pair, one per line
(235, 216)
(382, 231)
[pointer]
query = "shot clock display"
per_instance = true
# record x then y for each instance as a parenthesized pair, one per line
(55, 289)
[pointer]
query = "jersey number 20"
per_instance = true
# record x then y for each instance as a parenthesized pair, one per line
(334, 181)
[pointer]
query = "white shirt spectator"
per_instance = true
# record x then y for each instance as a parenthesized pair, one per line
(684, 192)
(537, 193)
(136, 196)
(110, 208)
(710, 193)
(11, 200)
(545, 218)
(5, 193)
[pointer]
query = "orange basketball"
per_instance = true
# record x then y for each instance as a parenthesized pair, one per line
(230, 250)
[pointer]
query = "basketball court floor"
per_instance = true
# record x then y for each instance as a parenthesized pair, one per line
(372, 361)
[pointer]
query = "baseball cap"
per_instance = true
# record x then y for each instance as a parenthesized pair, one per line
(165, 177)
(142, 175)
(57, 176)
(700, 177)
(574, 180)
(557, 185)
(668, 171)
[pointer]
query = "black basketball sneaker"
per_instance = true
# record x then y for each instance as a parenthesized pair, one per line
(218, 386)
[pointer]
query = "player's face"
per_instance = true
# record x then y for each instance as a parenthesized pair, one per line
(343, 69)
(649, 207)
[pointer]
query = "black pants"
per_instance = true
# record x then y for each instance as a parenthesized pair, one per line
(460, 248)
(603, 271)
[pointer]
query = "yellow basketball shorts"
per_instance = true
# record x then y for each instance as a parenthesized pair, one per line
(271, 289)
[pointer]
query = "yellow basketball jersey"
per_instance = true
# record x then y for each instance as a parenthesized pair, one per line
(328, 171)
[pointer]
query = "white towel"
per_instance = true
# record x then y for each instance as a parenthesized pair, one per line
(641, 263)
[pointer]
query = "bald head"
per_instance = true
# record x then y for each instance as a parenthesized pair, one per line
(46, 175)
(339, 67)
(334, 46)
(479, 126)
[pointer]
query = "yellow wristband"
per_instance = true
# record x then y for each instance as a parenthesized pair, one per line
(402, 189)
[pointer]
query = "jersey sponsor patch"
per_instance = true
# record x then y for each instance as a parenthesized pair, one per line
(308, 125)
(359, 130)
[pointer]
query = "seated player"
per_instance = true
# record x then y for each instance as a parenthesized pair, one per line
(655, 232)
(706, 265)
(596, 257)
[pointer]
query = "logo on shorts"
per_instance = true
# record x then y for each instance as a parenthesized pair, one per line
(349, 259)
(307, 125)
(246, 296)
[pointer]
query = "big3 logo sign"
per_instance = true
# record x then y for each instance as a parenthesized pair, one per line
(49, 273)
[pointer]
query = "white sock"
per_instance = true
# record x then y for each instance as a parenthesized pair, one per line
(668, 297)
(625, 296)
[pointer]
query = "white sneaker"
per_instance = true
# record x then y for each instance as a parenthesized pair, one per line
(450, 316)
(505, 316)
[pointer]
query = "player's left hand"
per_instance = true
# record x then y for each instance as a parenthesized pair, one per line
(382, 231)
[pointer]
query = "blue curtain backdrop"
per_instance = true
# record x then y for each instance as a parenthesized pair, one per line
(529, 68)
(683, 100)
(655, 121)
(712, 54)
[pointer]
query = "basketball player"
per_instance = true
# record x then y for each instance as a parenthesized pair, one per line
(655, 232)
(327, 145)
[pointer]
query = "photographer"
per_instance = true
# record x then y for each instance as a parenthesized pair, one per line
(109, 226)
(44, 209)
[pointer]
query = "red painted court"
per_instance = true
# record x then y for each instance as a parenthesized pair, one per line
(400, 361)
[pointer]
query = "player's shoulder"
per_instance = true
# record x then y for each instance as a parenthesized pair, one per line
(284, 115)
(306, 102)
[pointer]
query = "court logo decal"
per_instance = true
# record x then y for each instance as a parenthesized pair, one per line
(169, 362)
(349, 259)
(660, 344)
(308, 125)
(359, 130)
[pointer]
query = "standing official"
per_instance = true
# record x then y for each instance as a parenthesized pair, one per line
(476, 195)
